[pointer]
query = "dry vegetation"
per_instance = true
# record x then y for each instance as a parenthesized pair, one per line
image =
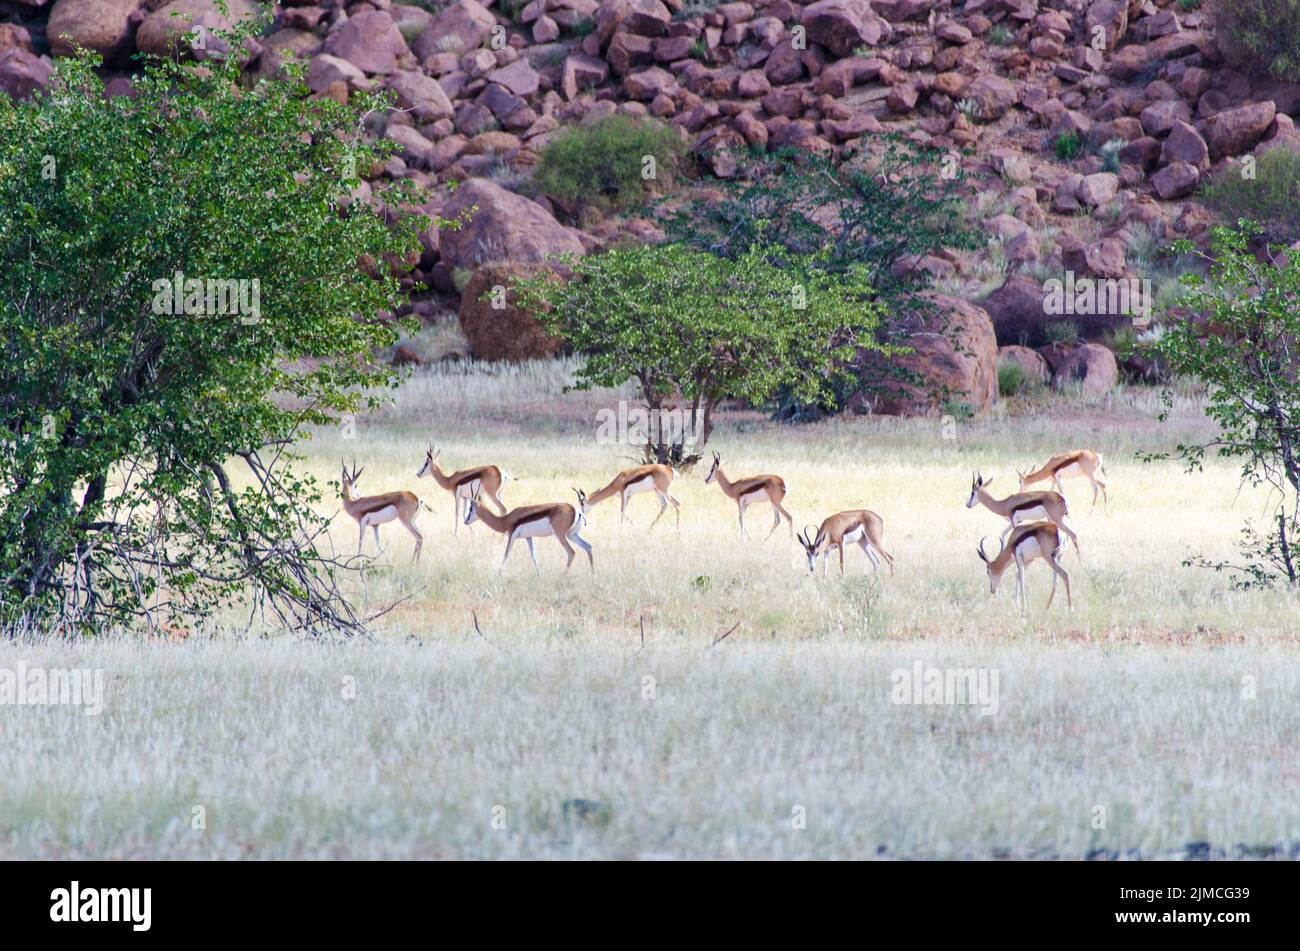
(1166, 698)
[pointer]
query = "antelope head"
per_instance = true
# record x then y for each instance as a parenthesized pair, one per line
(429, 458)
(713, 470)
(349, 481)
(977, 482)
(471, 509)
(995, 575)
(808, 542)
(582, 503)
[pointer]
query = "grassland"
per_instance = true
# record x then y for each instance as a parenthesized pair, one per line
(1162, 708)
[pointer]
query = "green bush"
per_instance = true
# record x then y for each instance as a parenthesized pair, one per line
(1271, 198)
(1012, 379)
(1068, 146)
(1260, 36)
(604, 164)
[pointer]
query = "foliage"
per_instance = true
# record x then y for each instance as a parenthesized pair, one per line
(144, 474)
(1068, 145)
(1012, 379)
(1261, 37)
(696, 326)
(872, 213)
(1271, 198)
(604, 163)
(1247, 359)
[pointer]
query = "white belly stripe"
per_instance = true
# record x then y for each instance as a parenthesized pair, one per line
(537, 528)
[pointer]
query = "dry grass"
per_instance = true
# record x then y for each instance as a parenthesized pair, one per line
(1165, 698)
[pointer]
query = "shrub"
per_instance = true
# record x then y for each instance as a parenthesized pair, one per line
(1271, 198)
(178, 285)
(1068, 145)
(1012, 379)
(1061, 332)
(1260, 36)
(604, 163)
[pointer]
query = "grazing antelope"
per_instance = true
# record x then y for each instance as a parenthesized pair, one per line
(754, 489)
(1027, 542)
(629, 482)
(371, 511)
(466, 483)
(1080, 462)
(1022, 507)
(861, 527)
(537, 521)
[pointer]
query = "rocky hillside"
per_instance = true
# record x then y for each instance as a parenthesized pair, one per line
(1086, 127)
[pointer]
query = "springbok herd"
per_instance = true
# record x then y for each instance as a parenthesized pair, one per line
(1035, 519)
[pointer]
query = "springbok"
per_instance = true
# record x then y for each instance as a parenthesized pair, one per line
(464, 484)
(1080, 462)
(1022, 507)
(859, 526)
(537, 521)
(1027, 542)
(371, 511)
(754, 489)
(629, 482)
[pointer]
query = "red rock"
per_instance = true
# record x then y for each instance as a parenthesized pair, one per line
(1104, 258)
(902, 98)
(642, 17)
(648, 83)
(421, 93)
(325, 70)
(1032, 363)
(629, 51)
(505, 227)
(843, 25)
(22, 73)
(1089, 366)
(459, 28)
(992, 96)
(369, 41)
(954, 353)
(1184, 144)
(105, 26)
(1235, 131)
(1176, 180)
(1159, 117)
(784, 64)
(496, 327)
(1097, 189)
(545, 30)
(162, 29)
(1112, 16)
(582, 72)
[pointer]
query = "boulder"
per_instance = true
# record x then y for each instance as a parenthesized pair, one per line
(1017, 311)
(1031, 362)
(162, 29)
(1090, 366)
(22, 73)
(495, 326)
(582, 72)
(370, 41)
(458, 29)
(991, 96)
(421, 94)
(1184, 145)
(640, 17)
(1176, 180)
(105, 26)
(953, 360)
(1234, 131)
(843, 25)
(502, 227)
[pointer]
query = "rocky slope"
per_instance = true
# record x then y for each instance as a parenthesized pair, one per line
(1011, 88)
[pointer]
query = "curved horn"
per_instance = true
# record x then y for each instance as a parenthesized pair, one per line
(980, 548)
(811, 540)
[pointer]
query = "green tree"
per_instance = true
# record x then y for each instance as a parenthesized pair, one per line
(145, 470)
(691, 325)
(873, 213)
(1242, 343)
(615, 162)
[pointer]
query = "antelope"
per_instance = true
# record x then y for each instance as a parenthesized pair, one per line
(629, 482)
(748, 491)
(1022, 507)
(537, 521)
(465, 483)
(371, 511)
(1080, 462)
(861, 527)
(1027, 542)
